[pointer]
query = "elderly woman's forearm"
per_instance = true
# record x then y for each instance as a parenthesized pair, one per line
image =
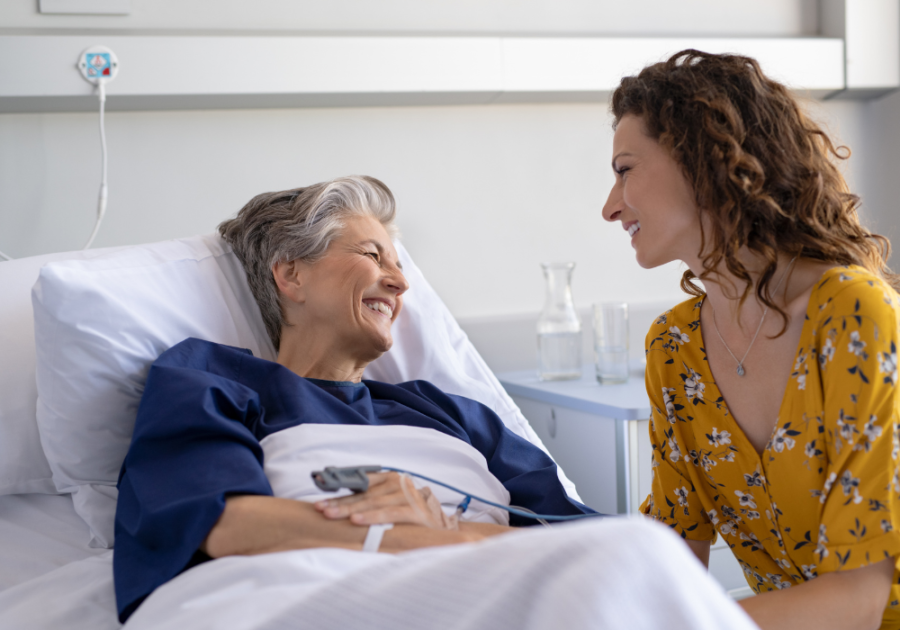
(484, 530)
(406, 537)
(252, 525)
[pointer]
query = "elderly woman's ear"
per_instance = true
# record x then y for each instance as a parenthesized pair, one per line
(289, 279)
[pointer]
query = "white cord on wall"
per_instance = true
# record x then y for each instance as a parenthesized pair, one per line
(98, 65)
(101, 200)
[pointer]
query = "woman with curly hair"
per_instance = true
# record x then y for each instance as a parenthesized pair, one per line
(773, 388)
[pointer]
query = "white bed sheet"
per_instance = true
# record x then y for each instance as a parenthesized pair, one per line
(601, 574)
(39, 533)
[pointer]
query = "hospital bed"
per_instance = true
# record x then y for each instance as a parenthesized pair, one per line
(78, 332)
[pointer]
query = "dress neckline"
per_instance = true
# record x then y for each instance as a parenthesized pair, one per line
(809, 320)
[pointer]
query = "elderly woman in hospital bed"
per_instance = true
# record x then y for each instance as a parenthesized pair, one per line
(220, 431)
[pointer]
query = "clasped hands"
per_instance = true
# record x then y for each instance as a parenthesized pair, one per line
(391, 498)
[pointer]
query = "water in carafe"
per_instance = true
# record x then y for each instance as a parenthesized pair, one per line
(559, 327)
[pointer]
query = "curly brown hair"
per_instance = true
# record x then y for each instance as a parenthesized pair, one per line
(760, 169)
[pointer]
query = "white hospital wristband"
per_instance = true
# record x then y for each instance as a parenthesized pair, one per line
(373, 538)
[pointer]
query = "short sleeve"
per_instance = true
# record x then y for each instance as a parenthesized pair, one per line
(857, 353)
(673, 498)
(191, 449)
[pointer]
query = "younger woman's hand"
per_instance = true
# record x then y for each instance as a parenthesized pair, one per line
(391, 498)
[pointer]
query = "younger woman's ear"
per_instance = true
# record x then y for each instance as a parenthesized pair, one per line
(289, 280)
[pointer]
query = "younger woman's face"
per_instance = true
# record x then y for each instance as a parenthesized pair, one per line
(652, 198)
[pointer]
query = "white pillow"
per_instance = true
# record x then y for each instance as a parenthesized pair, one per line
(100, 323)
(23, 466)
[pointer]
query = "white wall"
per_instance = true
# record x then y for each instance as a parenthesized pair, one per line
(485, 192)
(646, 17)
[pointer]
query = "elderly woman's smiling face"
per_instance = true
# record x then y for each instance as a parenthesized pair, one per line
(344, 303)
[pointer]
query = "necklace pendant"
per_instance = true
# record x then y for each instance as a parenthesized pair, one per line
(740, 369)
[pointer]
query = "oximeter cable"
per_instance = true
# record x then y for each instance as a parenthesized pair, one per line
(512, 510)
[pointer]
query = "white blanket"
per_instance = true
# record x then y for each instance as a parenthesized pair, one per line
(627, 573)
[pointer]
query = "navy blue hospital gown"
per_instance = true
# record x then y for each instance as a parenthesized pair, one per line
(196, 439)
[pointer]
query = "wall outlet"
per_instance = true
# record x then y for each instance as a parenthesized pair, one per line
(98, 63)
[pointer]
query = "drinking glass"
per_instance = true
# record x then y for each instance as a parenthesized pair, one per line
(611, 342)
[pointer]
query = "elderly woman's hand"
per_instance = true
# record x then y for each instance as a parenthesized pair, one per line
(391, 498)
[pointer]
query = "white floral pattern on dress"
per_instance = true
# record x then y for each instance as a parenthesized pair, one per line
(856, 345)
(669, 401)
(693, 388)
(681, 494)
(850, 485)
(845, 430)
(719, 438)
(674, 451)
(821, 547)
(823, 493)
(782, 440)
(811, 449)
(801, 370)
(745, 499)
(677, 336)
(754, 480)
(871, 432)
(826, 354)
(887, 364)
(778, 581)
(750, 541)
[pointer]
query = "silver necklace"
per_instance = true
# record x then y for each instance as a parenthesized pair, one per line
(740, 364)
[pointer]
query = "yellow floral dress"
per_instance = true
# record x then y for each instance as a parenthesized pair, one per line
(825, 493)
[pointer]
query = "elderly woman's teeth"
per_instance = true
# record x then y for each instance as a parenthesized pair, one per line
(633, 228)
(381, 307)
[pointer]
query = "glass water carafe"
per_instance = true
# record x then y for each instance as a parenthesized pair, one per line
(559, 328)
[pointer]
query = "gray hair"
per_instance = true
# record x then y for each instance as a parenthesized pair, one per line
(299, 224)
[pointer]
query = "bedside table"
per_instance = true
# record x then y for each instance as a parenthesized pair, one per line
(600, 435)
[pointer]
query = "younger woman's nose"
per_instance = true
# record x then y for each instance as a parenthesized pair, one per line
(612, 209)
